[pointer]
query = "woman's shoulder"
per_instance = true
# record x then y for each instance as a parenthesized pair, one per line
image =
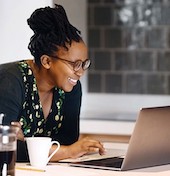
(10, 71)
(11, 67)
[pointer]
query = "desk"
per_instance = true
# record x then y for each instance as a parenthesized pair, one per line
(56, 169)
(65, 170)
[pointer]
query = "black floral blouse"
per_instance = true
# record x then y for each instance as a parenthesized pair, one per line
(19, 101)
(33, 121)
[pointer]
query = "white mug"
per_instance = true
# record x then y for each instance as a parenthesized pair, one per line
(38, 150)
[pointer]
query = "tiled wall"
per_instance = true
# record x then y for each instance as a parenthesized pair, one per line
(129, 45)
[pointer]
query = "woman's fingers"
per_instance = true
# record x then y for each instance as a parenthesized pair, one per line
(17, 124)
(93, 145)
(85, 146)
(20, 134)
(96, 146)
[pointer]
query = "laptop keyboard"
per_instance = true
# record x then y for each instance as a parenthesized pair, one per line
(114, 162)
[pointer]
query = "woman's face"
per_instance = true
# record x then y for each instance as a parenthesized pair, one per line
(62, 73)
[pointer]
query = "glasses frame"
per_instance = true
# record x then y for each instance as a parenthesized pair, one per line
(82, 65)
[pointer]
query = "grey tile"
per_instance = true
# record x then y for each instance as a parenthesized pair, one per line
(145, 61)
(165, 16)
(135, 84)
(94, 38)
(156, 84)
(113, 83)
(94, 82)
(163, 63)
(113, 38)
(134, 38)
(102, 16)
(155, 38)
(102, 61)
(124, 61)
(93, 1)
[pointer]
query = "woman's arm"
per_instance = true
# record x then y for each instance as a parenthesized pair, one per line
(11, 92)
(75, 150)
(78, 149)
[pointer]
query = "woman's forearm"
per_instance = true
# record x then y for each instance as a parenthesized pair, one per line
(77, 149)
(62, 153)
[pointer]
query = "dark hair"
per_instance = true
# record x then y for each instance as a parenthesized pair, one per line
(51, 29)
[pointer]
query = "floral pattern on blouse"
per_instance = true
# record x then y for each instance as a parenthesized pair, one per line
(32, 118)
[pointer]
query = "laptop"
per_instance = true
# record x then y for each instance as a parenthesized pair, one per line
(149, 144)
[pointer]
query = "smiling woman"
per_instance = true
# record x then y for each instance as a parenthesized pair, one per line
(43, 95)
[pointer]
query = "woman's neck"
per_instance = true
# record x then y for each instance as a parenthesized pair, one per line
(38, 73)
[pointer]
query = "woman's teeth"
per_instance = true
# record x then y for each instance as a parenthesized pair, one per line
(73, 81)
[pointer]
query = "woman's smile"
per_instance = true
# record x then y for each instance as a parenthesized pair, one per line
(72, 81)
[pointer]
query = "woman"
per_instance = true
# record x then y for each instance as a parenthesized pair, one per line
(43, 96)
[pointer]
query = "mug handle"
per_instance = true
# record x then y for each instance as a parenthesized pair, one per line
(58, 146)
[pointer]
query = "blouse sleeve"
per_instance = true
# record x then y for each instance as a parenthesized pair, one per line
(10, 97)
(69, 131)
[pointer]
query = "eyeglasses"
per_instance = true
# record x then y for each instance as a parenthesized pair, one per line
(77, 65)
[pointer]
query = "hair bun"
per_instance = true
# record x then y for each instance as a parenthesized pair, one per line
(45, 20)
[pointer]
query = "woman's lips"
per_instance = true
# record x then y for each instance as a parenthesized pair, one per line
(73, 81)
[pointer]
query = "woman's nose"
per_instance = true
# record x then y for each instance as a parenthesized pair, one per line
(80, 72)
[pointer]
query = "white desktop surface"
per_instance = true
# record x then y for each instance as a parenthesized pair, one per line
(58, 169)
(65, 170)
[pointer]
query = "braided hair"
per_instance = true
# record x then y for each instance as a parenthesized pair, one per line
(51, 29)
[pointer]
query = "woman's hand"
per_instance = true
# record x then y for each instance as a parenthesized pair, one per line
(85, 146)
(78, 149)
(20, 135)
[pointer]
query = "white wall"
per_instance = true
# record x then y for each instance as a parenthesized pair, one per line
(14, 31)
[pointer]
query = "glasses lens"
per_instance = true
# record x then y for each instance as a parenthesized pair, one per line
(77, 65)
(86, 64)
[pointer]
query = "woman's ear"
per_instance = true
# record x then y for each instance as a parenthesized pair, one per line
(45, 61)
